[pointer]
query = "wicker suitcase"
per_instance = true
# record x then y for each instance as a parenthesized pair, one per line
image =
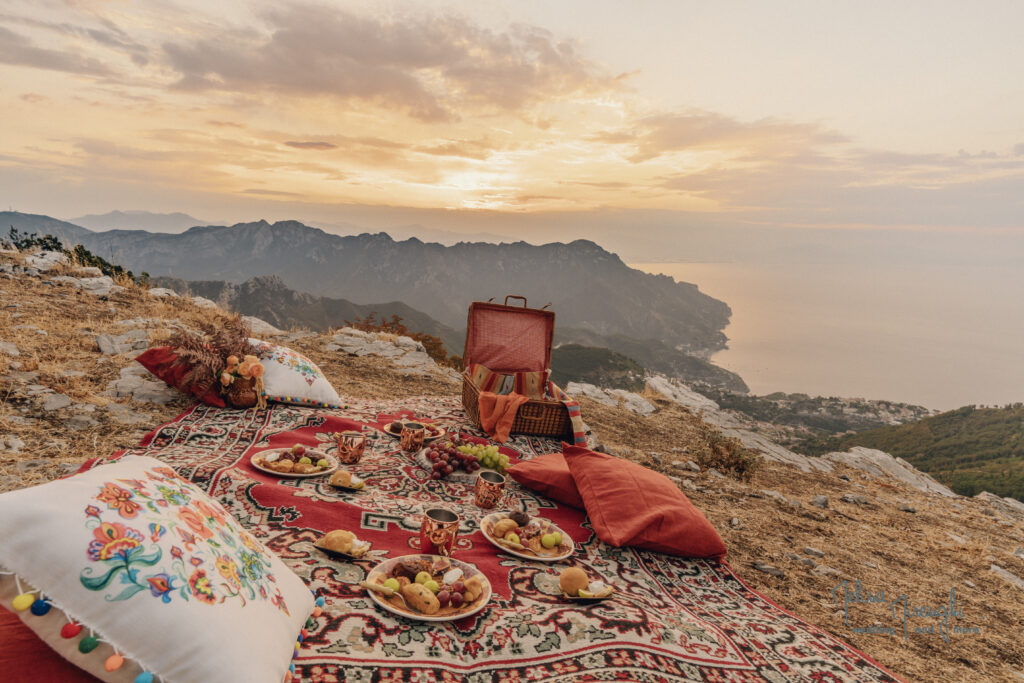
(514, 339)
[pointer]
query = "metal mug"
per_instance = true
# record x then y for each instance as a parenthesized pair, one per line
(489, 488)
(413, 435)
(351, 445)
(438, 532)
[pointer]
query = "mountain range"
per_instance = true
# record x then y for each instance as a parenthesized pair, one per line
(590, 288)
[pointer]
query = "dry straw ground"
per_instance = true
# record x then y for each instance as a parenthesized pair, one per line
(944, 545)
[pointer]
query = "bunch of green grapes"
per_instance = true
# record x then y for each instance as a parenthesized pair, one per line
(487, 456)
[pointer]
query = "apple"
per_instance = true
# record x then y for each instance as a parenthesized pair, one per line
(548, 541)
(392, 584)
(422, 577)
(432, 586)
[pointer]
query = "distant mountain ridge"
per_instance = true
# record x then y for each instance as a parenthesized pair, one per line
(588, 287)
(138, 220)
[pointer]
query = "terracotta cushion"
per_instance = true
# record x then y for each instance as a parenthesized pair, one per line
(630, 505)
(548, 475)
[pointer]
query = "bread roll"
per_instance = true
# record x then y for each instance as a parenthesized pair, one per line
(421, 598)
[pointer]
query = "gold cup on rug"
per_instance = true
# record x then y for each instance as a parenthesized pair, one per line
(489, 488)
(413, 434)
(438, 532)
(351, 445)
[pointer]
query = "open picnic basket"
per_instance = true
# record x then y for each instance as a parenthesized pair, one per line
(509, 339)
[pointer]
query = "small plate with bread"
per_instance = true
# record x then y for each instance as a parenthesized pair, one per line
(346, 481)
(343, 545)
(294, 462)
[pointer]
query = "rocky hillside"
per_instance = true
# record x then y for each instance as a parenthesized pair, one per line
(588, 287)
(268, 298)
(795, 529)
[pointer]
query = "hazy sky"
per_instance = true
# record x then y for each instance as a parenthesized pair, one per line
(629, 120)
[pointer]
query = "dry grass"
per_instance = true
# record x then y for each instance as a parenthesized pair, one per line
(912, 554)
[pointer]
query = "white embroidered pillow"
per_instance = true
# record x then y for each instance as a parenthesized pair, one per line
(155, 570)
(290, 377)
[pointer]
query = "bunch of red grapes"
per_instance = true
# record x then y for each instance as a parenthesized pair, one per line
(445, 458)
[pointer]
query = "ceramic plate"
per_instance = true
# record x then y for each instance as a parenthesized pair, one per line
(488, 522)
(332, 463)
(433, 431)
(395, 606)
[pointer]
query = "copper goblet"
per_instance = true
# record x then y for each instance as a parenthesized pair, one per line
(489, 488)
(438, 532)
(351, 445)
(413, 435)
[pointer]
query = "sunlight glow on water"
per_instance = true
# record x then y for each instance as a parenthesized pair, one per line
(941, 337)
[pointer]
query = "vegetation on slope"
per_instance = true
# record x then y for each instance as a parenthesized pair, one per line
(969, 449)
(603, 367)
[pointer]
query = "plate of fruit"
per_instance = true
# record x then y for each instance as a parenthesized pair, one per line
(577, 586)
(428, 587)
(434, 432)
(297, 461)
(457, 460)
(529, 538)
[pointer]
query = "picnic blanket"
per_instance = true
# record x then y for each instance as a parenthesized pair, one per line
(672, 619)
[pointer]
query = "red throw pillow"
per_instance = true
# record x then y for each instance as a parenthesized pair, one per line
(550, 476)
(160, 360)
(630, 505)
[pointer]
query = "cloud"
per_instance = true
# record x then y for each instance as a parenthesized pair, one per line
(33, 97)
(270, 193)
(310, 145)
(653, 136)
(18, 50)
(1018, 149)
(434, 68)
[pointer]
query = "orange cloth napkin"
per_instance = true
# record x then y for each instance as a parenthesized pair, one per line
(498, 412)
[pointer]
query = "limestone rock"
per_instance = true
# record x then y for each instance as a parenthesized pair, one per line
(820, 502)
(163, 293)
(855, 499)
(880, 464)
(908, 508)
(769, 569)
(11, 444)
(56, 402)
(79, 422)
(1007, 576)
(813, 552)
(122, 414)
(203, 302)
(46, 260)
(9, 348)
(132, 384)
(678, 392)
(1008, 507)
(99, 286)
(133, 340)
(612, 397)
(261, 327)
(89, 271)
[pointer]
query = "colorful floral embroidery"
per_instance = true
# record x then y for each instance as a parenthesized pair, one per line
(293, 361)
(119, 499)
(113, 540)
(123, 555)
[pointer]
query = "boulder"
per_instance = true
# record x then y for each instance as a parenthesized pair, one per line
(261, 327)
(629, 400)
(1008, 507)
(46, 260)
(89, 271)
(678, 392)
(163, 292)
(98, 286)
(880, 464)
(203, 302)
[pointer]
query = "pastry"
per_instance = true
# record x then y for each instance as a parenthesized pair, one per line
(282, 465)
(502, 527)
(341, 478)
(304, 468)
(572, 580)
(338, 540)
(421, 598)
(472, 588)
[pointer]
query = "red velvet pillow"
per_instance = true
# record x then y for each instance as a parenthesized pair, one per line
(630, 505)
(160, 360)
(549, 475)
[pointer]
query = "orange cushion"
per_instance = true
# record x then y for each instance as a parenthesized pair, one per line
(630, 505)
(161, 361)
(550, 476)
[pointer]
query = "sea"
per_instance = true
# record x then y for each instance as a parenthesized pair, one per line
(938, 336)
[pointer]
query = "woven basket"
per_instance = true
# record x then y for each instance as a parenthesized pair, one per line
(514, 339)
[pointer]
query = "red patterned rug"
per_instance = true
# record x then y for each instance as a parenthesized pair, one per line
(672, 619)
